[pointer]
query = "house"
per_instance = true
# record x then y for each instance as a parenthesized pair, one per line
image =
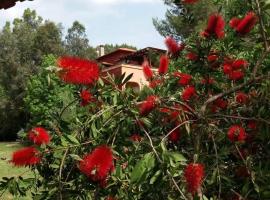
(129, 61)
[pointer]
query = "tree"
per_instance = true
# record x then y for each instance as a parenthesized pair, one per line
(48, 40)
(110, 47)
(77, 43)
(10, 77)
(181, 20)
(22, 48)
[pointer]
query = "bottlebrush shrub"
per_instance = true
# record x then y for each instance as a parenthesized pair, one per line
(185, 138)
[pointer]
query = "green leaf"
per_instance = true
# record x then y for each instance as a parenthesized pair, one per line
(155, 177)
(75, 157)
(127, 78)
(145, 165)
(100, 81)
(94, 130)
(71, 139)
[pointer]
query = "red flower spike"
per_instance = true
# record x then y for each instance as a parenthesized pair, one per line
(241, 98)
(215, 27)
(246, 24)
(175, 136)
(236, 133)
(184, 79)
(234, 22)
(227, 68)
(39, 136)
(136, 138)
(221, 103)
(188, 93)
(192, 56)
(26, 157)
(110, 198)
(148, 105)
(78, 71)
(252, 125)
(194, 175)
(148, 73)
(240, 63)
(163, 65)
(236, 75)
(86, 97)
(98, 164)
(155, 83)
(173, 47)
(208, 81)
(242, 172)
(212, 58)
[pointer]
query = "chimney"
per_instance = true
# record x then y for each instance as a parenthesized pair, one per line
(101, 50)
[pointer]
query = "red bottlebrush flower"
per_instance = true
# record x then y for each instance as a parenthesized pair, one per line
(155, 83)
(175, 136)
(26, 157)
(148, 73)
(252, 125)
(234, 22)
(110, 198)
(78, 71)
(236, 133)
(212, 58)
(39, 136)
(246, 24)
(194, 175)
(188, 93)
(227, 68)
(215, 27)
(236, 75)
(208, 81)
(189, 1)
(241, 98)
(163, 65)
(148, 105)
(238, 64)
(192, 56)
(173, 47)
(221, 103)
(184, 79)
(242, 172)
(86, 97)
(98, 164)
(136, 138)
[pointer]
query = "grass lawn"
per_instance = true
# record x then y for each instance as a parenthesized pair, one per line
(6, 169)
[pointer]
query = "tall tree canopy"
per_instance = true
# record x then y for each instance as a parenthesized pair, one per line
(183, 19)
(77, 43)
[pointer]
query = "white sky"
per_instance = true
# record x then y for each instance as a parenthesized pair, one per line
(106, 21)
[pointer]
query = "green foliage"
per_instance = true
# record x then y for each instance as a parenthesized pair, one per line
(46, 95)
(181, 20)
(110, 47)
(77, 43)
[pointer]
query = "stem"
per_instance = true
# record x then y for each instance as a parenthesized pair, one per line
(159, 160)
(219, 179)
(262, 28)
(178, 126)
(60, 186)
(66, 107)
(233, 89)
(177, 187)
(240, 117)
